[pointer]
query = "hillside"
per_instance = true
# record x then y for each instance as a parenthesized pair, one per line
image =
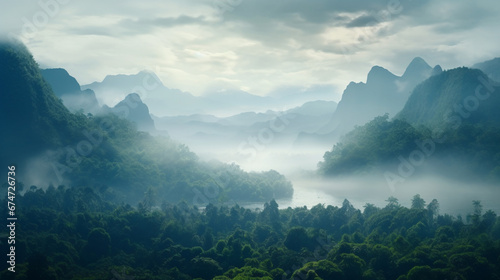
(133, 109)
(458, 93)
(382, 93)
(53, 146)
(490, 68)
(32, 117)
(68, 89)
(450, 124)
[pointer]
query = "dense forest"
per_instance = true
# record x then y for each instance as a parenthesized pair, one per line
(469, 151)
(74, 233)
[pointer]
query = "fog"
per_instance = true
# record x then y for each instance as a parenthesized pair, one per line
(454, 197)
(299, 165)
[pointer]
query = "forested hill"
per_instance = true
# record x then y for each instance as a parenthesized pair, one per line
(449, 124)
(31, 116)
(462, 92)
(68, 89)
(50, 145)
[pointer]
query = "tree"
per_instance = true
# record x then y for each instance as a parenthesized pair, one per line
(478, 208)
(488, 219)
(39, 269)
(417, 202)
(324, 269)
(297, 238)
(352, 265)
(370, 209)
(433, 208)
(393, 203)
(205, 268)
(271, 214)
(98, 244)
(149, 200)
(420, 272)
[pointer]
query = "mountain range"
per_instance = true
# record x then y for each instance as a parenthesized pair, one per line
(423, 97)
(318, 123)
(236, 134)
(382, 93)
(164, 101)
(48, 144)
(172, 102)
(448, 127)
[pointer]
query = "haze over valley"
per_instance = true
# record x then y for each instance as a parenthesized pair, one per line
(293, 140)
(236, 139)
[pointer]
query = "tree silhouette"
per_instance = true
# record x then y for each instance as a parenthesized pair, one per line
(417, 202)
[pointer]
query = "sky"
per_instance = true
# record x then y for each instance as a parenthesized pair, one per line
(259, 46)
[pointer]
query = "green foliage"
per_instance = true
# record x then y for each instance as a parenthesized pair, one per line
(452, 117)
(107, 153)
(323, 269)
(438, 100)
(97, 239)
(381, 143)
(33, 118)
(370, 145)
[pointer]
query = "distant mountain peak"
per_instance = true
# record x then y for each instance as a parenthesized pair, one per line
(61, 81)
(133, 109)
(134, 97)
(67, 88)
(417, 65)
(432, 101)
(143, 78)
(436, 70)
(379, 74)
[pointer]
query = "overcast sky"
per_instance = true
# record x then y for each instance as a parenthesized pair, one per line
(259, 46)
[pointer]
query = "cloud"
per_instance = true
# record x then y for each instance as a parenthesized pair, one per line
(258, 45)
(362, 21)
(146, 24)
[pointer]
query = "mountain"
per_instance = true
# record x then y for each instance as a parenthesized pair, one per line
(68, 89)
(60, 81)
(133, 109)
(32, 117)
(315, 108)
(448, 127)
(50, 145)
(160, 99)
(490, 67)
(460, 94)
(382, 93)
(163, 101)
(308, 117)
